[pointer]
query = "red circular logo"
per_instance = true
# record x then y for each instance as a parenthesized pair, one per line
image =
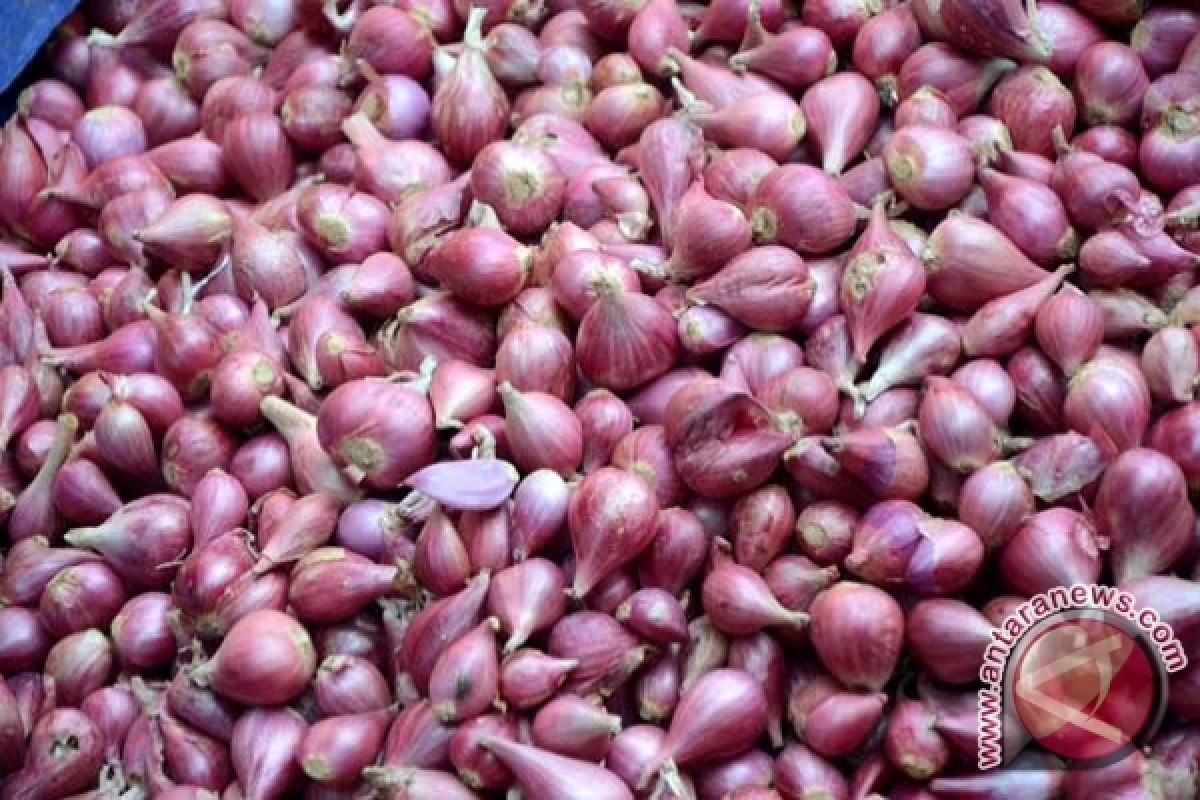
(1084, 688)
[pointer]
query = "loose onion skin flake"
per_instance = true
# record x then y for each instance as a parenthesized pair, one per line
(587, 399)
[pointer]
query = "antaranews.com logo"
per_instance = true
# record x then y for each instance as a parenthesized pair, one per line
(1081, 671)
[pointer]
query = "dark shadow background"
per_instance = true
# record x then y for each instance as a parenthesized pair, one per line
(25, 25)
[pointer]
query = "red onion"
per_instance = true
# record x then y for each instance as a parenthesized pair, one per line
(1001, 326)
(526, 598)
(257, 155)
(440, 557)
(140, 537)
(65, 751)
(313, 115)
(513, 53)
(266, 657)
(912, 744)
(437, 272)
(478, 767)
(142, 631)
(921, 346)
(483, 265)
(1149, 526)
(710, 233)
(606, 653)
(1110, 143)
(470, 85)
(734, 175)
(486, 535)
(20, 406)
(317, 574)
(796, 58)
(346, 226)
(395, 104)
(929, 107)
(539, 772)
(798, 769)
(190, 448)
(626, 338)
(656, 27)
(574, 727)
(79, 597)
(841, 112)
(831, 721)
(727, 21)
(739, 602)
(881, 47)
(727, 694)
(1162, 36)
(465, 677)
(994, 29)
(391, 41)
(208, 50)
(676, 553)
(857, 631)
(963, 80)
(308, 525)
(33, 512)
(1010, 197)
(166, 111)
(109, 132)
(668, 160)
(930, 167)
(381, 432)
(528, 677)
(263, 749)
(934, 624)
(713, 83)
(1167, 362)
(335, 750)
(824, 531)
(265, 21)
(51, 101)
(1066, 552)
(231, 98)
(1067, 33)
(881, 285)
(1110, 81)
(392, 169)
(767, 288)
(24, 642)
(441, 623)
(79, 664)
(538, 512)
(1032, 103)
(841, 19)
(479, 484)
(618, 114)
(418, 782)
(609, 505)
(720, 439)
(1108, 397)
(769, 122)
(112, 710)
(961, 244)
(802, 208)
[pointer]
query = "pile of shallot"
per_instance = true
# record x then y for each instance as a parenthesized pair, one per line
(587, 400)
